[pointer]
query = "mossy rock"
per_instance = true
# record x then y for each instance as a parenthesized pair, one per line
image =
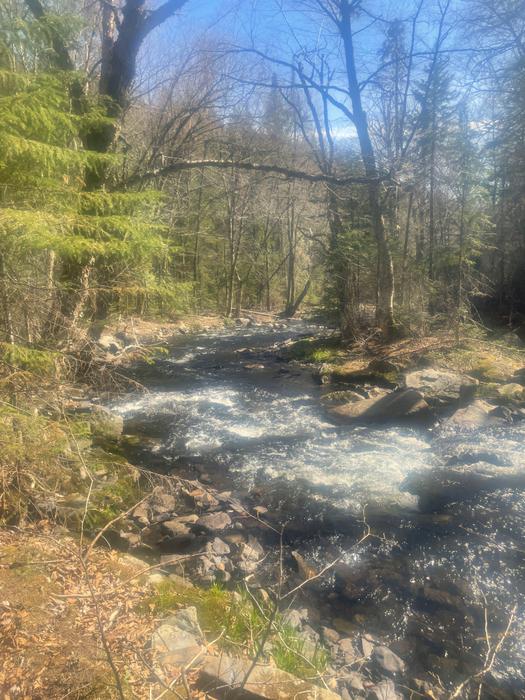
(105, 425)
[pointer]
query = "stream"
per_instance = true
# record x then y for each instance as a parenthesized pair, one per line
(439, 587)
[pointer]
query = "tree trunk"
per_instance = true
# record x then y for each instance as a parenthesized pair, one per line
(405, 248)
(8, 318)
(385, 277)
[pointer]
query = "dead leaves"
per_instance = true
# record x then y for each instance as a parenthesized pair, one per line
(50, 646)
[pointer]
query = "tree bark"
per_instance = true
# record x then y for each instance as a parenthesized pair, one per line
(385, 276)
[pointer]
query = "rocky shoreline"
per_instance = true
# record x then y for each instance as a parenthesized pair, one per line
(199, 533)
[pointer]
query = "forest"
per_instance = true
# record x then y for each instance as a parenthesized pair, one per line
(376, 181)
(273, 250)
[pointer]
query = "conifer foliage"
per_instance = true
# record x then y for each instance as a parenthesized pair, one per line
(56, 235)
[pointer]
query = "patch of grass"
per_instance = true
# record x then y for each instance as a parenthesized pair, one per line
(244, 622)
(292, 654)
(316, 349)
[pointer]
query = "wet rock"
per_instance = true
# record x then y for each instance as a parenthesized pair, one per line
(179, 638)
(344, 397)
(344, 626)
(387, 660)
(396, 404)
(428, 689)
(473, 456)
(105, 425)
(479, 414)
(442, 598)
(367, 645)
(220, 675)
(440, 386)
(213, 522)
(385, 690)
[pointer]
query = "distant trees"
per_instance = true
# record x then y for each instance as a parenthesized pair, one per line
(324, 174)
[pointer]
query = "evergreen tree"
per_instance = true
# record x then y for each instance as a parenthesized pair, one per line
(54, 233)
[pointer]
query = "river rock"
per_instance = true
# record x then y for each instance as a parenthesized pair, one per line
(347, 648)
(213, 522)
(295, 618)
(353, 681)
(330, 636)
(110, 344)
(387, 660)
(176, 532)
(479, 414)
(367, 645)
(179, 638)
(105, 425)
(218, 547)
(160, 502)
(385, 690)
(396, 404)
(440, 386)
(220, 675)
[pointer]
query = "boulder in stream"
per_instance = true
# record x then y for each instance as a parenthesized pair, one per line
(479, 414)
(439, 386)
(388, 405)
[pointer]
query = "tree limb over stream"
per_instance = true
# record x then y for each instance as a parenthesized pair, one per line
(288, 173)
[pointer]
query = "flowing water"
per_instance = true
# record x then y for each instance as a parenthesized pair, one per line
(226, 404)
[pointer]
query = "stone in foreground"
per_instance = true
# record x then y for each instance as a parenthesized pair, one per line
(223, 676)
(179, 639)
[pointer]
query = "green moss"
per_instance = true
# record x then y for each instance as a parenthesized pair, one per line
(41, 362)
(490, 361)
(315, 349)
(243, 621)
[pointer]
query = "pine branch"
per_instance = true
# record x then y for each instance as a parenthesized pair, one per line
(62, 58)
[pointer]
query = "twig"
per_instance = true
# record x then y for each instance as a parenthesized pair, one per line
(490, 657)
(103, 639)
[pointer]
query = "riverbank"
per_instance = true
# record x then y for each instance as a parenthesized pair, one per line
(196, 527)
